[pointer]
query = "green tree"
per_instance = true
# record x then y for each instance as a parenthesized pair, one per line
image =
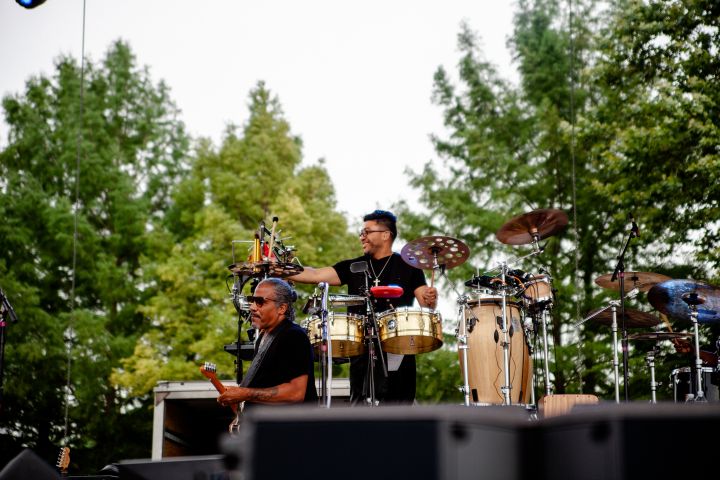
(131, 153)
(254, 175)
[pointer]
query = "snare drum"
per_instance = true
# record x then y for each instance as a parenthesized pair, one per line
(410, 330)
(346, 334)
(485, 352)
(684, 379)
(538, 290)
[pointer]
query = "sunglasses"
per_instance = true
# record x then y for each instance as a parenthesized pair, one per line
(260, 301)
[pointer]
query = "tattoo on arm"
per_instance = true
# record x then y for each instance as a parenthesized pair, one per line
(262, 394)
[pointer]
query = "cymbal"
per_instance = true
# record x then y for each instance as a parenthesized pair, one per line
(265, 269)
(633, 318)
(643, 281)
(542, 223)
(672, 296)
(658, 336)
(421, 252)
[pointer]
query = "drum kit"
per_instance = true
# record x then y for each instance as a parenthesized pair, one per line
(500, 315)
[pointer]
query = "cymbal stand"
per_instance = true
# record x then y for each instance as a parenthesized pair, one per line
(650, 360)
(462, 336)
(619, 272)
(546, 364)
(325, 350)
(693, 300)
(507, 387)
(616, 362)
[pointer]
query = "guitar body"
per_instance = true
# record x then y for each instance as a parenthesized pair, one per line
(63, 461)
(209, 371)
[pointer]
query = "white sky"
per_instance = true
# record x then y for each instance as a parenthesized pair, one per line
(354, 78)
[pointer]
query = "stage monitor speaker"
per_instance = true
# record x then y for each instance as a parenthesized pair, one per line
(627, 441)
(448, 443)
(28, 465)
(209, 467)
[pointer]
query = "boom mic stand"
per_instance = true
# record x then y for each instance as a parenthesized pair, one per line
(619, 272)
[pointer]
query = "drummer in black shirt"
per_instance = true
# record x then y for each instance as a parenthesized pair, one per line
(384, 268)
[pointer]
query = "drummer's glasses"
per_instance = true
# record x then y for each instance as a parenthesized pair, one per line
(364, 232)
(260, 301)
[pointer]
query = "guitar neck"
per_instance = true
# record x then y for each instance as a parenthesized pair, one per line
(221, 389)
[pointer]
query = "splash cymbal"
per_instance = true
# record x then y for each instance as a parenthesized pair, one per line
(633, 318)
(539, 224)
(673, 298)
(421, 252)
(643, 281)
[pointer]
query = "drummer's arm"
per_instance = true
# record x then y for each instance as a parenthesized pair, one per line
(317, 275)
(426, 296)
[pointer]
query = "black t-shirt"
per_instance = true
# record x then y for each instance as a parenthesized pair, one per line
(392, 270)
(289, 356)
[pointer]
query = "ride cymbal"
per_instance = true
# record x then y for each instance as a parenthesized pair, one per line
(633, 318)
(643, 281)
(673, 298)
(538, 224)
(421, 252)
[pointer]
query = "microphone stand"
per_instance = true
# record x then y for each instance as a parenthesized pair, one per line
(325, 350)
(619, 272)
(372, 336)
(6, 311)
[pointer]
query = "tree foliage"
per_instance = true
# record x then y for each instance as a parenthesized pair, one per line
(130, 146)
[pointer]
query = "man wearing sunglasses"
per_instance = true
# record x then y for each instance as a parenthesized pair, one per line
(282, 369)
(384, 268)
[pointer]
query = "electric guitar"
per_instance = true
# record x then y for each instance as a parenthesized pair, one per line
(63, 461)
(208, 370)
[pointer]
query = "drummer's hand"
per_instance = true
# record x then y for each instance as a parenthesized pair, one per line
(681, 345)
(430, 296)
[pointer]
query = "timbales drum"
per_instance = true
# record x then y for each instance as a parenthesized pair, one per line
(485, 351)
(538, 291)
(410, 331)
(346, 334)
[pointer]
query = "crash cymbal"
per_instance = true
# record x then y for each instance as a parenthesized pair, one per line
(643, 281)
(265, 269)
(656, 336)
(673, 297)
(633, 318)
(421, 252)
(540, 223)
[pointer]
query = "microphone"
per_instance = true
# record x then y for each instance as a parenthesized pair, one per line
(634, 227)
(6, 307)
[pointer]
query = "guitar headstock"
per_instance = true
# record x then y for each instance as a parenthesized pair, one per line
(63, 461)
(208, 369)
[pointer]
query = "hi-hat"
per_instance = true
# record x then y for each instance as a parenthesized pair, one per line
(422, 252)
(633, 318)
(673, 298)
(643, 281)
(656, 336)
(530, 226)
(266, 269)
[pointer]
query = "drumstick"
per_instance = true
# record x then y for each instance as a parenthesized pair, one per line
(665, 320)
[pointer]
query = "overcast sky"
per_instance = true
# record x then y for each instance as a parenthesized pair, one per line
(354, 78)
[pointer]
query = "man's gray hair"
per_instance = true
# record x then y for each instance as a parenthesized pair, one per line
(284, 294)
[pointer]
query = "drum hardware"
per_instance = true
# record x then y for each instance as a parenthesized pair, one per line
(619, 273)
(326, 352)
(650, 360)
(683, 384)
(681, 299)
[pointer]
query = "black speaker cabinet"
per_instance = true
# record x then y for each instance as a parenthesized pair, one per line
(628, 441)
(449, 442)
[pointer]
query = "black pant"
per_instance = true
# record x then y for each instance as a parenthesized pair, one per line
(397, 388)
